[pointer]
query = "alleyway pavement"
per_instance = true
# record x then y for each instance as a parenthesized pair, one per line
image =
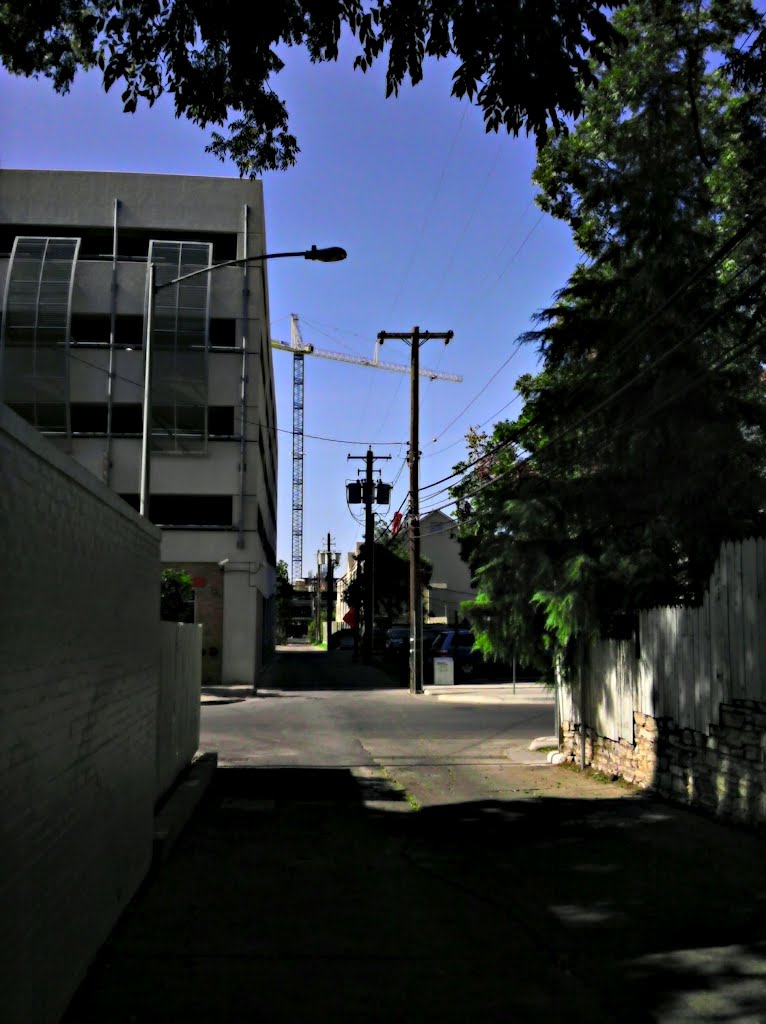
(372, 893)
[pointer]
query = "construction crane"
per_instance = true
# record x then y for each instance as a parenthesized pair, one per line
(299, 349)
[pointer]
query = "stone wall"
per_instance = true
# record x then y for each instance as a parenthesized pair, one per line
(722, 771)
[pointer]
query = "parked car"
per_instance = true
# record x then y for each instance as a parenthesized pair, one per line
(398, 640)
(458, 645)
(343, 640)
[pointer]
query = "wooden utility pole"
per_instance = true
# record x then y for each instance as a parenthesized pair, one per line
(329, 589)
(415, 338)
(369, 546)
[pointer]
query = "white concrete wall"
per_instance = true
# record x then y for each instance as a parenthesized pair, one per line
(161, 201)
(165, 204)
(178, 701)
(79, 649)
(241, 627)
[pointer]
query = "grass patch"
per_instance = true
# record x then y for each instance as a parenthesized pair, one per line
(410, 799)
(597, 776)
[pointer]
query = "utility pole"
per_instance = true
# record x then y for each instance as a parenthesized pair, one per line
(329, 589)
(318, 601)
(369, 546)
(415, 338)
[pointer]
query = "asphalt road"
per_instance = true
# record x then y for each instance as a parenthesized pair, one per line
(400, 858)
(319, 710)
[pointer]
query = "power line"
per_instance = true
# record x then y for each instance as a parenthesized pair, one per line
(435, 195)
(478, 395)
(510, 262)
(650, 367)
(722, 251)
(731, 354)
(253, 423)
(446, 448)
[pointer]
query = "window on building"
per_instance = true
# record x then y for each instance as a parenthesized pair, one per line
(179, 347)
(188, 510)
(127, 418)
(35, 332)
(94, 328)
(220, 421)
(89, 417)
(98, 242)
(223, 332)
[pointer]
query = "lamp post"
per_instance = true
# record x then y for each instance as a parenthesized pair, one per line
(329, 254)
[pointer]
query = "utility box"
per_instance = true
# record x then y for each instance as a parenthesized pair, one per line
(444, 672)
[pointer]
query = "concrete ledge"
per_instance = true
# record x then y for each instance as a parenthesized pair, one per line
(176, 811)
(491, 693)
(544, 741)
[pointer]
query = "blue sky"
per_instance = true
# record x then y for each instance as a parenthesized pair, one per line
(441, 230)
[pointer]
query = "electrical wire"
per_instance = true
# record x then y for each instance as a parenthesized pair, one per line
(478, 395)
(253, 423)
(730, 355)
(405, 277)
(511, 261)
(460, 440)
(720, 253)
(650, 367)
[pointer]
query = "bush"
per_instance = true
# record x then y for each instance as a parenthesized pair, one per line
(176, 596)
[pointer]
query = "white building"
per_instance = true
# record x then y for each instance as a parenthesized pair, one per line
(74, 254)
(450, 582)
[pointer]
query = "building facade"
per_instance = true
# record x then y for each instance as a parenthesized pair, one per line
(74, 258)
(450, 582)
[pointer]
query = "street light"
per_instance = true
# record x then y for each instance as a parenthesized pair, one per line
(328, 254)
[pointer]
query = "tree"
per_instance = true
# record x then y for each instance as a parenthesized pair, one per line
(176, 596)
(526, 66)
(391, 580)
(641, 444)
(284, 598)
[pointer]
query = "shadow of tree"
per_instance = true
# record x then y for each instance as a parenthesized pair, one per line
(316, 899)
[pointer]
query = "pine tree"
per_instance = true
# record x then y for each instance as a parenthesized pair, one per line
(641, 443)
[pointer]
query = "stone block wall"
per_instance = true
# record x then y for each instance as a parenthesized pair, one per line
(722, 771)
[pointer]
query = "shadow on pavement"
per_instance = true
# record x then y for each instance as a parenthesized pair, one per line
(305, 669)
(306, 895)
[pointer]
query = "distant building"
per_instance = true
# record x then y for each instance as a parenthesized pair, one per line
(73, 273)
(450, 582)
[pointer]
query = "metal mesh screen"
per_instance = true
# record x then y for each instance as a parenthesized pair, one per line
(179, 347)
(34, 342)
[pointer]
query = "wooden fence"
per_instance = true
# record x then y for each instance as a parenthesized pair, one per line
(690, 659)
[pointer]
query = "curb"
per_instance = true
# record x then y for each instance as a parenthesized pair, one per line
(544, 741)
(469, 698)
(175, 813)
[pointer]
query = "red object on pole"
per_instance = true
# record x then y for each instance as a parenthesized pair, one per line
(397, 522)
(350, 618)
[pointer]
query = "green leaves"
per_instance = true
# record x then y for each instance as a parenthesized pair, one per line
(176, 596)
(641, 443)
(526, 65)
